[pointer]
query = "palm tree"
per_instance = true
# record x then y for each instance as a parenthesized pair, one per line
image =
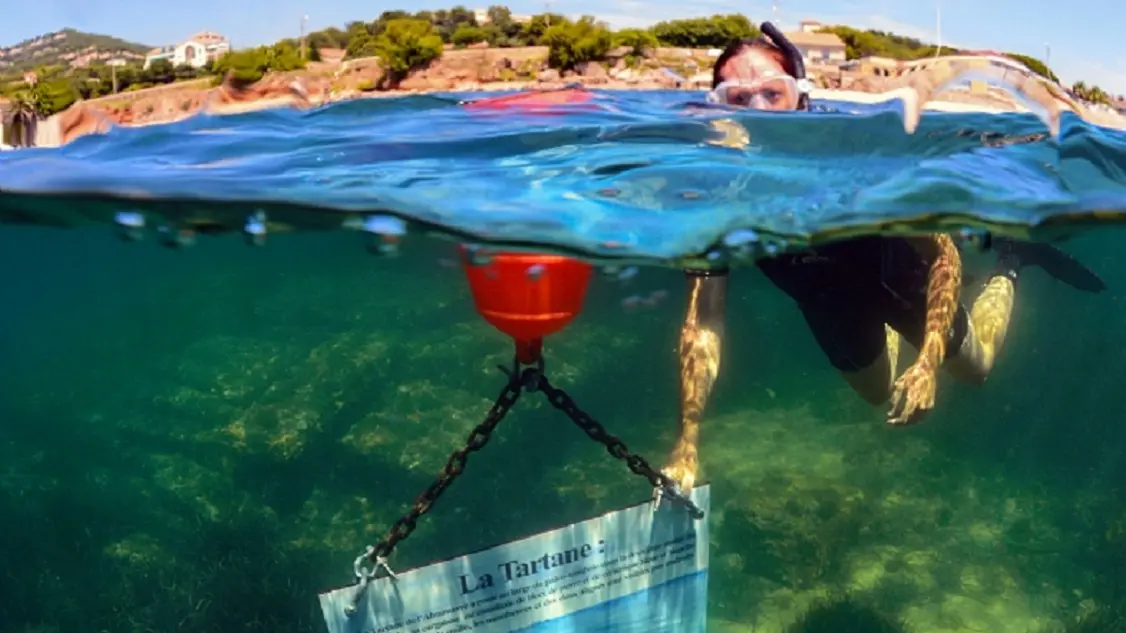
(22, 118)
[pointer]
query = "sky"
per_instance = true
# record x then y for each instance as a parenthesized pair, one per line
(1082, 39)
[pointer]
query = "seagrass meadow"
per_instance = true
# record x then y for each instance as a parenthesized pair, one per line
(202, 439)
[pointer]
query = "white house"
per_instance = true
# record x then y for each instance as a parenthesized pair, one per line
(482, 17)
(196, 51)
(817, 48)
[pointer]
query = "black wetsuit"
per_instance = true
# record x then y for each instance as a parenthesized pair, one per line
(848, 290)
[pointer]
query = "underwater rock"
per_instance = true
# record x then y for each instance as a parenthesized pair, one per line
(1101, 620)
(846, 614)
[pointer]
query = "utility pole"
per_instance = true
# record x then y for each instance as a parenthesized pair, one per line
(113, 64)
(1047, 54)
(304, 19)
(938, 27)
(547, 13)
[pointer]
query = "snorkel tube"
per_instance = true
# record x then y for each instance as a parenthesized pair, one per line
(794, 56)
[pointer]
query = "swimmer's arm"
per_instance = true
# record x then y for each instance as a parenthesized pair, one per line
(944, 283)
(701, 338)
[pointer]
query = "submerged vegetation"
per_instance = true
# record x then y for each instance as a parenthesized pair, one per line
(846, 614)
(242, 425)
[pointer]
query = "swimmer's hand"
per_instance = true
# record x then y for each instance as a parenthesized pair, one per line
(729, 133)
(914, 394)
(920, 81)
(682, 466)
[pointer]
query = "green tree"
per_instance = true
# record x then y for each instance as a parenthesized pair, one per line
(467, 34)
(245, 67)
(502, 29)
(715, 32)
(21, 119)
(1090, 94)
(53, 95)
(446, 21)
(531, 32)
(871, 43)
(574, 43)
(637, 40)
(331, 37)
(360, 46)
(283, 57)
(128, 75)
(242, 68)
(392, 14)
(406, 45)
(1035, 65)
(160, 71)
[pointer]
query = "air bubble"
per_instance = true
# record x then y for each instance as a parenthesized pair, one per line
(255, 228)
(979, 239)
(477, 255)
(741, 238)
(132, 225)
(385, 246)
(742, 244)
(385, 225)
(388, 231)
(177, 237)
(632, 302)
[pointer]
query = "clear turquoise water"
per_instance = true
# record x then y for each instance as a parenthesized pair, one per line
(633, 175)
(203, 439)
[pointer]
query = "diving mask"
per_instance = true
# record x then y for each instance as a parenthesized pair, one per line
(777, 92)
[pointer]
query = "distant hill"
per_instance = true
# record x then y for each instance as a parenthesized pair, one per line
(68, 47)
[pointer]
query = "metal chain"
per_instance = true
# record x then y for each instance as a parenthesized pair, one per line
(530, 379)
(376, 555)
(560, 400)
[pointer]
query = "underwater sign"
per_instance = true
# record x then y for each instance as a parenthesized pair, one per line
(628, 570)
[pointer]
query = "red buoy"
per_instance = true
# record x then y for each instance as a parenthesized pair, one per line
(528, 296)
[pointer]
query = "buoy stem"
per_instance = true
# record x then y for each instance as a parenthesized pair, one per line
(529, 352)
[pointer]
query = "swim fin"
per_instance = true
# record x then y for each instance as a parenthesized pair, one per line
(1052, 260)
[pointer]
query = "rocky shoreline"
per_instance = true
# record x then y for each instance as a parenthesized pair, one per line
(477, 70)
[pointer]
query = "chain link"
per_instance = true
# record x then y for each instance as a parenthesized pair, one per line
(616, 447)
(376, 555)
(530, 379)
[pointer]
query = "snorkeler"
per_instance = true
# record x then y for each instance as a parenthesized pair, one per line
(860, 295)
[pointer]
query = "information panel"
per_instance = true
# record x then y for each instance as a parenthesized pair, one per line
(628, 570)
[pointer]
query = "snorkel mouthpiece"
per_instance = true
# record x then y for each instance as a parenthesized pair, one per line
(792, 54)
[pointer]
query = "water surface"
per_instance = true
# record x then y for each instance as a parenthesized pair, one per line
(203, 438)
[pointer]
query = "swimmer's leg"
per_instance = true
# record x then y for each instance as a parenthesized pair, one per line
(857, 343)
(700, 340)
(991, 312)
(893, 340)
(873, 383)
(914, 393)
(988, 325)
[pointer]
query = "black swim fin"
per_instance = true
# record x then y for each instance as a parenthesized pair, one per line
(1053, 261)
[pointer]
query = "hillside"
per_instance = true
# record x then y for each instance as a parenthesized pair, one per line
(68, 47)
